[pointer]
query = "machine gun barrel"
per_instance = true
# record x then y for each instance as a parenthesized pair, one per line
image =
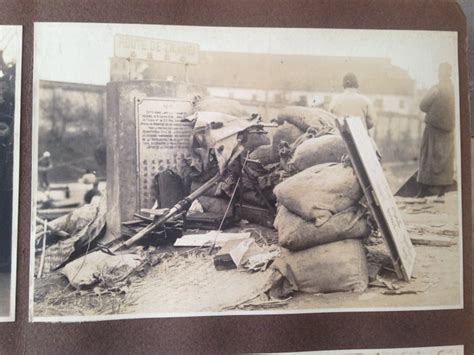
(179, 207)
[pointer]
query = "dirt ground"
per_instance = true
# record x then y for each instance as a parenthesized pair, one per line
(187, 282)
(193, 284)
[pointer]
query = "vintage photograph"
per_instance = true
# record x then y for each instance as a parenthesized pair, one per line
(10, 60)
(436, 350)
(192, 171)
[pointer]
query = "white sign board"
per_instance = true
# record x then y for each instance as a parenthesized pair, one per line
(398, 235)
(142, 48)
(162, 140)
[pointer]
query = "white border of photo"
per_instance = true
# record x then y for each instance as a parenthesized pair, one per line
(17, 55)
(147, 30)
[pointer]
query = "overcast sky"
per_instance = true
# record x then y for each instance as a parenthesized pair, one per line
(78, 52)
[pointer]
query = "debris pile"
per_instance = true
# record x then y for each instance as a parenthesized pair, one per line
(66, 238)
(223, 130)
(300, 182)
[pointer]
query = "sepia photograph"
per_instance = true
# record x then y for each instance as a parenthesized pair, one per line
(10, 60)
(435, 350)
(192, 171)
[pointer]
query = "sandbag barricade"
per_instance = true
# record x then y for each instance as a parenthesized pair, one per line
(321, 225)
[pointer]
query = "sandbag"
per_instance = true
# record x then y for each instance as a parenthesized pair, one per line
(294, 233)
(320, 191)
(285, 132)
(312, 132)
(320, 150)
(255, 140)
(227, 106)
(332, 267)
(305, 117)
(264, 154)
(268, 154)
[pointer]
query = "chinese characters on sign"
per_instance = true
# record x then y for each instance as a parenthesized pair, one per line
(162, 140)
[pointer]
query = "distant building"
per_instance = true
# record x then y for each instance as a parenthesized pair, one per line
(278, 80)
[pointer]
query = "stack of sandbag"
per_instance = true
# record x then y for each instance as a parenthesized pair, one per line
(321, 226)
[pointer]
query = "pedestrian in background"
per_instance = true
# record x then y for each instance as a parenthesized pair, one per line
(44, 166)
(436, 163)
(352, 103)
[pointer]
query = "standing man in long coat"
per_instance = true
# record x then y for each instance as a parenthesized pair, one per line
(436, 162)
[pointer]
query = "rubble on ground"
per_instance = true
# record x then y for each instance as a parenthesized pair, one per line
(323, 229)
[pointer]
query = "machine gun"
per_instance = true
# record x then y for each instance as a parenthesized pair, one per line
(183, 205)
(174, 211)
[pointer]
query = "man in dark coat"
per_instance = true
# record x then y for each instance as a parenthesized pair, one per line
(436, 162)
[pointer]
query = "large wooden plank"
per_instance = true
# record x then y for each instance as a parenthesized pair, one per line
(197, 240)
(379, 195)
(433, 240)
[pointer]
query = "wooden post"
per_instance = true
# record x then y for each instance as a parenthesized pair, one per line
(43, 249)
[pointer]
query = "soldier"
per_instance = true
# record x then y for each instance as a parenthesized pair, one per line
(436, 163)
(351, 103)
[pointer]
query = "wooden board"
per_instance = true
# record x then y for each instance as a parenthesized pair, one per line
(379, 196)
(433, 240)
(197, 240)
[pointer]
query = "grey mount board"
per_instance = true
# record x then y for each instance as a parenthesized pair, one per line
(378, 194)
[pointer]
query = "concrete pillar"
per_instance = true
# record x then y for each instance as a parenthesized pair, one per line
(121, 138)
